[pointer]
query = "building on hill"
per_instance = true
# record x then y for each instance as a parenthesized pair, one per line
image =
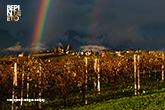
(82, 53)
(62, 50)
(68, 47)
(88, 52)
(21, 55)
(67, 52)
(151, 52)
(102, 53)
(118, 53)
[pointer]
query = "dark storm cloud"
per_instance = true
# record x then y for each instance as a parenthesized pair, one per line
(26, 20)
(121, 20)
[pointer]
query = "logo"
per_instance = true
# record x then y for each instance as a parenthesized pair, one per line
(13, 12)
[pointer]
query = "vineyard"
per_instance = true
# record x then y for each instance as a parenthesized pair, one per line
(71, 81)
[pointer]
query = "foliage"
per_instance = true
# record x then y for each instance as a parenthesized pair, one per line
(153, 101)
(59, 49)
(56, 51)
(65, 74)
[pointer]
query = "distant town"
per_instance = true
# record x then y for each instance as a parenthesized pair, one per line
(77, 53)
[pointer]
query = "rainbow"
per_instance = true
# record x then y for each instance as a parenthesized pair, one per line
(41, 21)
(43, 13)
(93, 20)
(95, 16)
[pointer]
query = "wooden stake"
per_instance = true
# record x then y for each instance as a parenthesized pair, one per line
(13, 90)
(135, 80)
(39, 105)
(22, 87)
(149, 73)
(143, 73)
(16, 89)
(86, 81)
(155, 73)
(94, 81)
(34, 95)
(163, 67)
(138, 75)
(27, 85)
(35, 92)
(98, 79)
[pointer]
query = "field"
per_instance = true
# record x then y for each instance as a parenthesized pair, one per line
(152, 101)
(67, 80)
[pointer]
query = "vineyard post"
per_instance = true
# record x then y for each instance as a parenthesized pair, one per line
(39, 105)
(94, 81)
(35, 89)
(86, 81)
(149, 73)
(28, 85)
(35, 92)
(28, 57)
(155, 73)
(143, 73)
(22, 87)
(35, 86)
(98, 79)
(13, 92)
(28, 81)
(138, 75)
(135, 81)
(163, 66)
(16, 91)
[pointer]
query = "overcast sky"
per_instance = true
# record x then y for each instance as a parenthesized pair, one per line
(135, 23)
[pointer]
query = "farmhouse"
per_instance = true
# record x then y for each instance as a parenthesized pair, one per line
(88, 53)
(82, 53)
(118, 53)
(74, 53)
(21, 55)
(151, 52)
(102, 53)
(67, 52)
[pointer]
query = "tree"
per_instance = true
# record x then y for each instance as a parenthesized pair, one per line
(56, 51)
(59, 50)
(64, 49)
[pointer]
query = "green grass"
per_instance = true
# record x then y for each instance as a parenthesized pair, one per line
(152, 97)
(155, 101)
